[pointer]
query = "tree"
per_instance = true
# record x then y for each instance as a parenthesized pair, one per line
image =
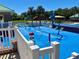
(47, 15)
(67, 12)
(40, 11)
(23, 16)
(30, 12)
(14, 16)
(42, 14)
(59, 11)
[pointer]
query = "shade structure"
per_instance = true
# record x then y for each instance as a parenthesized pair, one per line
(75, 16)
(5, 9)
(5, 13)
(58, 16)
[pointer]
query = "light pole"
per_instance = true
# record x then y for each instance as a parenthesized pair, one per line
(52, 16)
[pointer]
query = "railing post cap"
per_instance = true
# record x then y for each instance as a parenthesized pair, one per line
(70, 58)
(74, 54)
(34, 47)
(55, 43)
(16, 27)
(31, 42)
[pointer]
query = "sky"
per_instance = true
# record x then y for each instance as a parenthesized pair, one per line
(20, 6)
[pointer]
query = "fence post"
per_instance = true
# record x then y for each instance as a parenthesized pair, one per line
(31, 43)
(34, 53)
(9, 35)
(55, 52)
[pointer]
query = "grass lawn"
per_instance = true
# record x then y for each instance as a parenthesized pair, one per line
(30, 20)
(65, 22)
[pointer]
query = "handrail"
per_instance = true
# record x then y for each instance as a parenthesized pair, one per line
(46, 50)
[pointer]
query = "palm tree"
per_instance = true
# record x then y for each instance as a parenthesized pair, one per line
(30, 12)
(40, 13)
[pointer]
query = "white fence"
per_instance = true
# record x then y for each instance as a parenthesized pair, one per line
(6, 24)
(27, 49)
(6, 36)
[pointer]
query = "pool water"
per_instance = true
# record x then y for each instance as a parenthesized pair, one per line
(68, 43)
(6, 42)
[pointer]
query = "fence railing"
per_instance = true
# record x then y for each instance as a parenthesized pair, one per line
(33, 23)
(27, 49)
(7, 35)
(6, 24)
(29, 23)
(44, 51)
(52, 51)
(23, 45)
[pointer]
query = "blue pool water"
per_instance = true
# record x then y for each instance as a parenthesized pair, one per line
(68, 44)
(7, 42)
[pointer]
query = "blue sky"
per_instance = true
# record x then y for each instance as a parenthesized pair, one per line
(22, 5)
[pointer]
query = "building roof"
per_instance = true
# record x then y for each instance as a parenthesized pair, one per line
(74, 16)
(58, 16)
(5, 9)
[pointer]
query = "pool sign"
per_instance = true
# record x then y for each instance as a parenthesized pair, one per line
(31, 34)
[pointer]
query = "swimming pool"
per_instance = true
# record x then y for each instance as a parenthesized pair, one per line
(68, 44)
